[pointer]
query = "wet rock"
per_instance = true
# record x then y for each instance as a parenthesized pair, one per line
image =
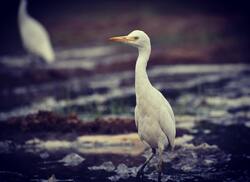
(44, 155)
(123, 172)
(72, 159)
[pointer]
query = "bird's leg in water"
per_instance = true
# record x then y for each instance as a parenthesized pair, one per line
(160, 165)
(37, 62)
(140, 171)
(31, 59)
(41, 61)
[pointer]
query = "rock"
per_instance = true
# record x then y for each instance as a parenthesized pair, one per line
(44, 155)
(72, 159)
(123, 172)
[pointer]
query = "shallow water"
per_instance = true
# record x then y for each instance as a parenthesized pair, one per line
(211, 104)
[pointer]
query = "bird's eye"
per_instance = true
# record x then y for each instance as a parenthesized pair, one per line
(136, 38)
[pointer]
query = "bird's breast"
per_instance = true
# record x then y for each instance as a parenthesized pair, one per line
(148, 107)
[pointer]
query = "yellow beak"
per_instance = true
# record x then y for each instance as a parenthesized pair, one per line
(121, 39)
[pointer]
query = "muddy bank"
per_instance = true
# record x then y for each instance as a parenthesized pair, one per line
(49, 122)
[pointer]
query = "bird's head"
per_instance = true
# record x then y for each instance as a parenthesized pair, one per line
(137, 38)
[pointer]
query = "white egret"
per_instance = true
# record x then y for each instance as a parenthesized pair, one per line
(154, 117)
(34, 36)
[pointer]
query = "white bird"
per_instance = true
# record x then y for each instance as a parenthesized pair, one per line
(34, 36)
(154, 117)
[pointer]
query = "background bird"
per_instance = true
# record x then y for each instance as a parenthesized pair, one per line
(154, 117)
(34, 36)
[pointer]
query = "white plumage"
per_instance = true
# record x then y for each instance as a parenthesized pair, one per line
(34, 36)
(154, 116)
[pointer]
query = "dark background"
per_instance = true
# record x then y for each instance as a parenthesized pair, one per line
(48, 12)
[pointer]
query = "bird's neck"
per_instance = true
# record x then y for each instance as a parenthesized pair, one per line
(142, 82)
(22, 12)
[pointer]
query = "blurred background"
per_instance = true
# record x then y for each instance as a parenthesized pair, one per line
(200, 62)
(79, 23)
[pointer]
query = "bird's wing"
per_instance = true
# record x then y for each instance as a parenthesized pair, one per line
(167, 121)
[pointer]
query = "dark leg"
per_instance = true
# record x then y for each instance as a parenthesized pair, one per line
(160, 166)
(30, 60)
(140, 171)
(40, 63)
(36, 62)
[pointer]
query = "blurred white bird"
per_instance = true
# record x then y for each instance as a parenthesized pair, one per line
(34, 37)
(154, 117)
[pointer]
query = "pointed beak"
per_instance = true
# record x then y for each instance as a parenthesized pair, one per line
(121, 39)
